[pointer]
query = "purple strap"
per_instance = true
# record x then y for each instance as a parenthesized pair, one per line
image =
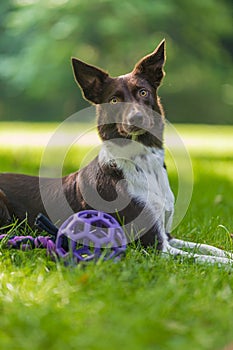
(29, 242)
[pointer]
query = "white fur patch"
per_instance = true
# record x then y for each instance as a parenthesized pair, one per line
(147, 180)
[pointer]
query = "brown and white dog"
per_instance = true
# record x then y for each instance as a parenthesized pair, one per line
(128, 178)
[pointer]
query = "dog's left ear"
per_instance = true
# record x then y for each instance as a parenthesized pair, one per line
(150, 67)
(91, 79)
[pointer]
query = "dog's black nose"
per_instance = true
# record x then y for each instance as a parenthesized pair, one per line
(136, 119)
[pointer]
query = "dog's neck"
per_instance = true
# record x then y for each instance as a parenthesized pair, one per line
(129, 150)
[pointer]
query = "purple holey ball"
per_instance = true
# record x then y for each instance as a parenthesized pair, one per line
(89, 235)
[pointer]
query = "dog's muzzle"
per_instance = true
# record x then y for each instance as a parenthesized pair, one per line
(136, 122)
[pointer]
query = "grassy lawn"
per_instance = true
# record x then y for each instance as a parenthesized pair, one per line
(143, 302)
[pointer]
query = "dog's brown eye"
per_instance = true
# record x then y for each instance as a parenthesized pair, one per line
(143, 92)
(113, 100)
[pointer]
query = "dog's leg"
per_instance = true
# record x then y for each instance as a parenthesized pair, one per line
(202, 248)
(219, 256)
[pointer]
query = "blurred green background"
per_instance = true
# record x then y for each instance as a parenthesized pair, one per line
(38, 37)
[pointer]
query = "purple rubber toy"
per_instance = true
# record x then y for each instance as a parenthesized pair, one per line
(84, 236)
(91, 234)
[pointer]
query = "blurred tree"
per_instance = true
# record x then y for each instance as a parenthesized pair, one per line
(38, 37)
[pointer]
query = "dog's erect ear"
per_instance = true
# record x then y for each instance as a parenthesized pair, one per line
(91, 79)
(151, 66)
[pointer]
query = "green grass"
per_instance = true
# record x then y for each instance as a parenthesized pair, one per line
(141, 302)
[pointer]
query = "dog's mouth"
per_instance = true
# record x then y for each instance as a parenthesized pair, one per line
(128, 130)
(135, 133)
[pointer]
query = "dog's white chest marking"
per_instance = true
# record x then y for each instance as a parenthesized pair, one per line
(147, 181)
